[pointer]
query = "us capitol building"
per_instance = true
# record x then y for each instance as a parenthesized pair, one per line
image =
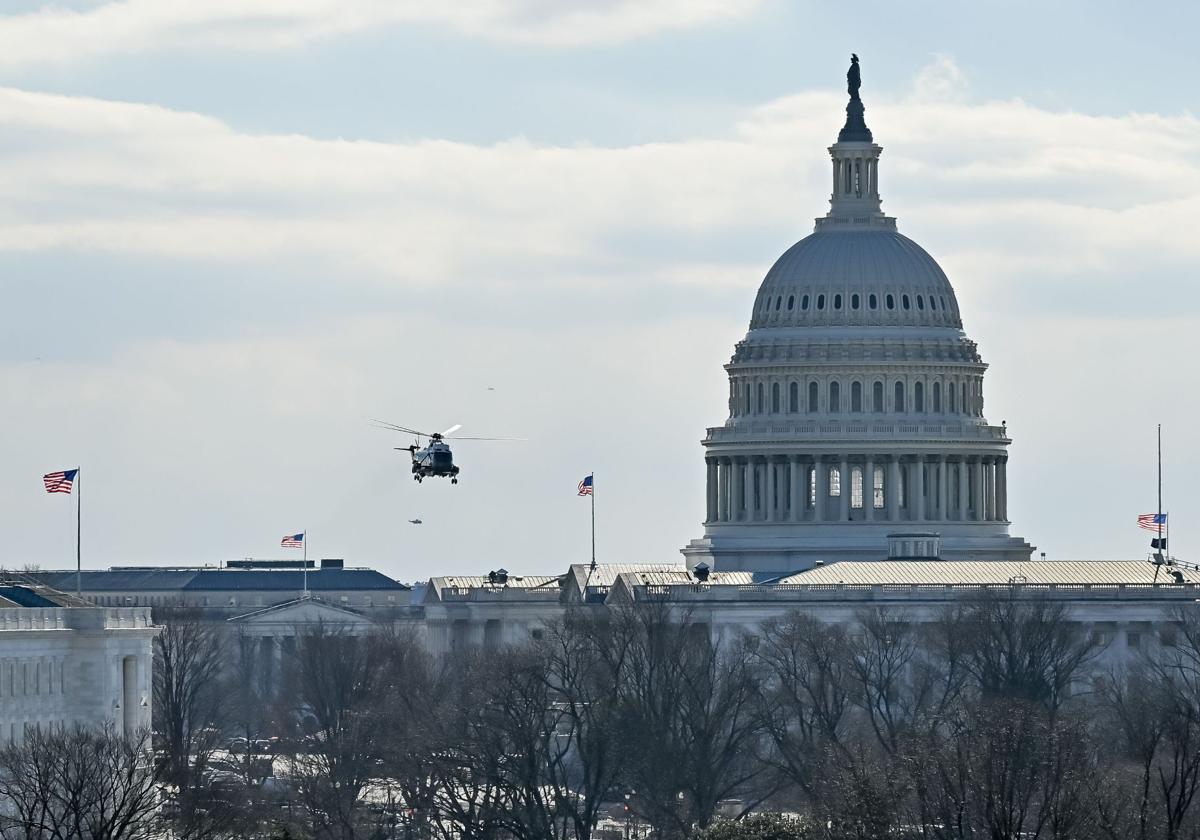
(855, 401)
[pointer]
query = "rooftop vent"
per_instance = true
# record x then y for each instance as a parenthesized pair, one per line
(332, 563)
(498, 577)
(701, 571)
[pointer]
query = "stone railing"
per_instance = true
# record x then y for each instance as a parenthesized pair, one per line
(736, 431)
(915, 592)
(127, 618)
(457, 594)
(32, 618)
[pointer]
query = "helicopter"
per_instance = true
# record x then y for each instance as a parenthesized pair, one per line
(434, 458)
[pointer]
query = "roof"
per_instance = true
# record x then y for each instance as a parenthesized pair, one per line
(220, 580)
(829, 278)
(606, 574)
(982, 572)
(682, 577)
(20, 593)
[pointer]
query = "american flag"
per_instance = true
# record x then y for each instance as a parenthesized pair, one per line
(61, 481)
(585, 486)
(1152, 521)
(292, 541)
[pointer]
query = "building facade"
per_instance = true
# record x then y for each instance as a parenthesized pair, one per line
(65, 662)
(855, 400)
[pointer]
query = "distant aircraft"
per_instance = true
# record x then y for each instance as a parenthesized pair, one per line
(415, 521)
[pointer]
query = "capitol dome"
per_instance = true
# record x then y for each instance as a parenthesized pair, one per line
(855, 401)
(832, 278)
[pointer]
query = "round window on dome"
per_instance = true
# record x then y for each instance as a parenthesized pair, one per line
(891, 302)
(837, 301)
(778, 302)
(921, 302)
(820, 302)
(854, 301)
(804, 303)
(932, 303)
(791, 302)
(872, 302)
(904, 301)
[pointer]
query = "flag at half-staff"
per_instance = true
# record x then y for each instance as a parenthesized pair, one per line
(587, 488)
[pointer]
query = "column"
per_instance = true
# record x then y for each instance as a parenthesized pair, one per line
(943, 488)
(977, 468)
(844, 499)
(822, 495)
(918, 493)
(712, 489)
(891, 488)
(869, 489)
(722, 490)
(771, 477)
(989, 489)
(1002, 485)
(737, 478)
(796, 511)
(748, 489)
(963, 479)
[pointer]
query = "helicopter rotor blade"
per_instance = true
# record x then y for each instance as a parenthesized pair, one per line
(452, 430)
(488, 438)
(393, 427)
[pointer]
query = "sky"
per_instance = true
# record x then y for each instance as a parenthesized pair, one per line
(231, 232)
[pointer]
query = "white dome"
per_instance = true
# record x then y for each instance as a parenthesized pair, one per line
(857, 278)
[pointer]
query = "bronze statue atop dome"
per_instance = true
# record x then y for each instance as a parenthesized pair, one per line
(853, 77)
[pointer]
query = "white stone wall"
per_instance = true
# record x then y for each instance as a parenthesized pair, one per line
(62, 666)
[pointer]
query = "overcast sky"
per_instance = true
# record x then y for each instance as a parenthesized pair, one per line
(231, 231)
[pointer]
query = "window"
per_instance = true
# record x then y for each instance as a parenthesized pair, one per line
(812, 487)
(877, 488)
(804, 303)
(856, 397)
(904, 301)
(856, 487)
(761, 400)
(937, 395)
(943, 300)
(835, 481)
(932, 303)
(837, 301)
(746, 405)
(775, 397)
(794, 398)
(820, 302)
(891, 302)
(537, 634)
(778, 303)
(899, 401)
(791, 302)
(921, 302)
(872, 301)
(812, 397)
(854, 301)
(950, 394)
(877, 397)
(963, 398)
(919, 397)
(835, 396)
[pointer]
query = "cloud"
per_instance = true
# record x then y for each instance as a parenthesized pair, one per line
(62, 35)
(250, 298)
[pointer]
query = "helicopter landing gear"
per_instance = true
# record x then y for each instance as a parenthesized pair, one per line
(454, 481)
(417, 479)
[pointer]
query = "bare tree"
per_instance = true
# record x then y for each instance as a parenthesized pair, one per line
(187, 694)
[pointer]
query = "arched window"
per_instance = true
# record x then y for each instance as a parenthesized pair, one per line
(877, 488)
(856, 397)
(791, 302)
(837, 301)
(812, 397)
(804, 304)
(877, 398)
(872, 301)
(856, 487)
(919, 397)
(898, 403)
(854, 301)
(775, 397)
(962, 397)
(932, 303)
(761, 402)
(943, 300)
(904, 301)
(778, 303)
(921, 302)
(746, 401)
(835, 481)
(891, 302)
(950, 394)
(835, 397)
(820, 302)
(794, 398)
(937, 395)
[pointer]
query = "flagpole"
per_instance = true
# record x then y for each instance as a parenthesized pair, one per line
(304, 562)
(78, 528)
(593, 494)
(1160, 516)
